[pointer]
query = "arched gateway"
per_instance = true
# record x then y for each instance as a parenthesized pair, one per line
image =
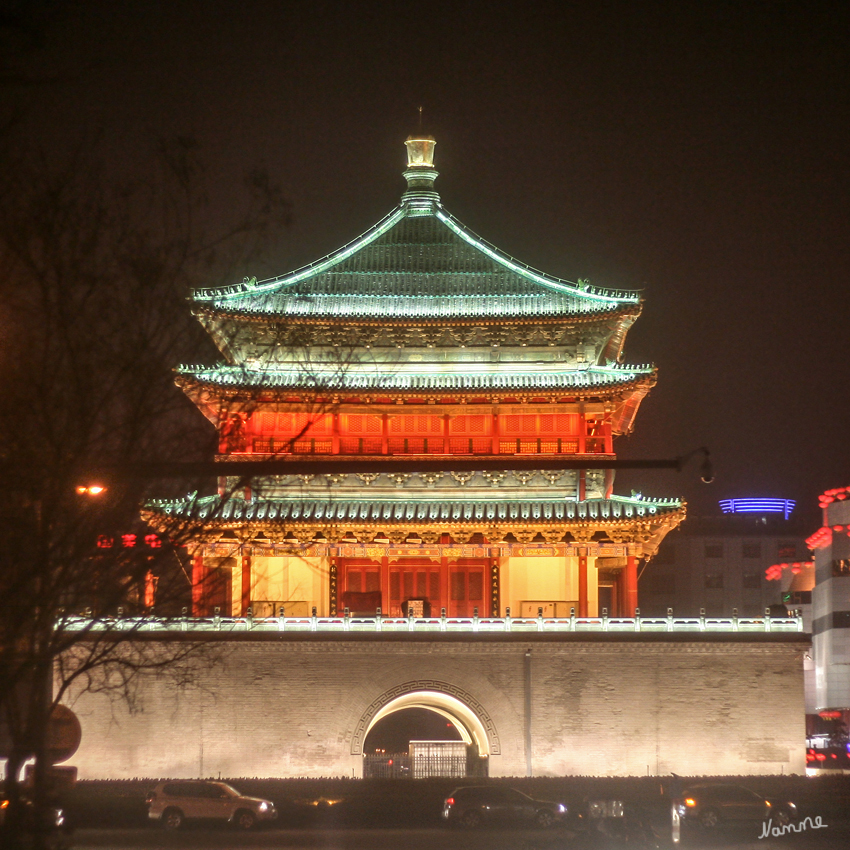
(468, 715)
(431, 758)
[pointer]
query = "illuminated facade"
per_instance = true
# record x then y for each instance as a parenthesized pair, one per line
(831, 603)
(420, 341)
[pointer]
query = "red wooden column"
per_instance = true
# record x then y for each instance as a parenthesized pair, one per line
(629, 580)
(582, 432)
(609, 437)
(335, 433)
(582, 583)
(246, 585)
(385, 585)
(199, 577)
(445, 582)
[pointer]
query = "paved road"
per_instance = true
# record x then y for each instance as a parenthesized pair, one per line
(834, 836)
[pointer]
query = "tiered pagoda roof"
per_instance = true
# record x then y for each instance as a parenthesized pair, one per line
(420, 309)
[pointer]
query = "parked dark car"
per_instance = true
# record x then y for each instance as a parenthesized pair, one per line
(53, 826)
(710, 805)
(474, 805)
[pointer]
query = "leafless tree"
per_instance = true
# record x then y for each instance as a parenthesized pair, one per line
(93, 317)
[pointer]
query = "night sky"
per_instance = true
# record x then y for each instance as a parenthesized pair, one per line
(696, 151)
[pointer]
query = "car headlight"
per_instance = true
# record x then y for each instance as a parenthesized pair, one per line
(263, 807)
(561, 808)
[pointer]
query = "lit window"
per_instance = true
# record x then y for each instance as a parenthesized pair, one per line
(841, 567)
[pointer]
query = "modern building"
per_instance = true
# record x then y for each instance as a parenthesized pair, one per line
(747, 557)
(420, 341)
(831, 604)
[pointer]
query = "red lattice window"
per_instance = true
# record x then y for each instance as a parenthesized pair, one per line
(519, 424)
(472, 424)
(538, 446)
(265, 423)
(414, 425)
(360, 423)
(359, 445)
(558, 423)
(540, 424)
(408, 445)
(293, 424)
(313, 447)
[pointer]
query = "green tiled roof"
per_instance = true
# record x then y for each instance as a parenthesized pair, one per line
(354, 379)
(411, 510)
(416, 264)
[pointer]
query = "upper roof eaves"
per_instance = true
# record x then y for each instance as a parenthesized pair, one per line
(414, 265)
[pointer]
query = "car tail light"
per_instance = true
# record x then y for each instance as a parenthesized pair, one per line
(4, 804)
(690, 802)
(450, 801)
(151, 797)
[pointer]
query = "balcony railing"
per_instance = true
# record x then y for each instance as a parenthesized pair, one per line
(431, 625)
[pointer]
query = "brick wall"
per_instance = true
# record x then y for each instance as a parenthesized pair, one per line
(301, 706)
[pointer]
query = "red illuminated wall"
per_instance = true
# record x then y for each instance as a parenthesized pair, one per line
(416, 433)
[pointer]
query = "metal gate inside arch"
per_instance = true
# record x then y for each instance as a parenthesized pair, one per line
(427, 758)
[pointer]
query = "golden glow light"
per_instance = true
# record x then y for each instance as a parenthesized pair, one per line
(90, 489)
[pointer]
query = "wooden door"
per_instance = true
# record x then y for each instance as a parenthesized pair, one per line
(360, 587)
(412, 579)
(467, 589)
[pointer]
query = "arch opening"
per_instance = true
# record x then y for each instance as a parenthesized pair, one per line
(471, 728)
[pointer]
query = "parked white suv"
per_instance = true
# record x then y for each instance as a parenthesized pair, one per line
(173, 803)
